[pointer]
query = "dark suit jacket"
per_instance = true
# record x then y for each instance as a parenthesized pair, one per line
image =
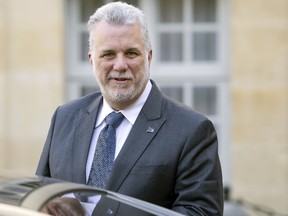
(170, 157)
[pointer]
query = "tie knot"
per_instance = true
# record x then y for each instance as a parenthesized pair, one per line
(114, 119)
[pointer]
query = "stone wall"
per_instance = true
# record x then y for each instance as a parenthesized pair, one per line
(31, 77)
(259, 59)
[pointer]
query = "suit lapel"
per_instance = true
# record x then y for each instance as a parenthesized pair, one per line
(83, 135)
(145, 128)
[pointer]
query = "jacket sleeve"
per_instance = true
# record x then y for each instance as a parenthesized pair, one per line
(199, 179)
(43, 168)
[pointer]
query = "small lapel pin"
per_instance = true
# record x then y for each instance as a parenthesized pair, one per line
(109, 211)
(150, 130)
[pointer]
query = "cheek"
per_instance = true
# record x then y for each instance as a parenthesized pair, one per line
(103, 67)
(137, 66)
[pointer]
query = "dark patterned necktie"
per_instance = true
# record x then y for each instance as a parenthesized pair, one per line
(105, 151)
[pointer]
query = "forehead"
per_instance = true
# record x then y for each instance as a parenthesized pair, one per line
(109, 35)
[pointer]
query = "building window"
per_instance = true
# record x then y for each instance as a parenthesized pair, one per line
(189, 56)
(179, 27)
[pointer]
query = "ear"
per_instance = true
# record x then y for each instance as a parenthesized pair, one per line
(150, 56)
(90, 57)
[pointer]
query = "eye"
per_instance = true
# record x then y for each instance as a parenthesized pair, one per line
(132, 54)
(108, 55)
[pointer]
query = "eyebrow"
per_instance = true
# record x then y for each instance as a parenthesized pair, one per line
(126, 50)
(134, 50)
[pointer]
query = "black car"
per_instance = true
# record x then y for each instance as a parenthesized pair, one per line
(25, 196)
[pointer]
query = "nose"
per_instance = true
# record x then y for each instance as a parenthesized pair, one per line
(120, 63)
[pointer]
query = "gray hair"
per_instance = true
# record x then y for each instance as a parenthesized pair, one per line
(120, 13)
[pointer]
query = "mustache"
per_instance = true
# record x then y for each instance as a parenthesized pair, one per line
(120, 75)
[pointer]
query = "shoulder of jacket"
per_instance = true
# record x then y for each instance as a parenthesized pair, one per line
(82, 102)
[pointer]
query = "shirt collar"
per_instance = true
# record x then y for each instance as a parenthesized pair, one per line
(131, 113)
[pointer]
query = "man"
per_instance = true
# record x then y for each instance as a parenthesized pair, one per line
(166, 153)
